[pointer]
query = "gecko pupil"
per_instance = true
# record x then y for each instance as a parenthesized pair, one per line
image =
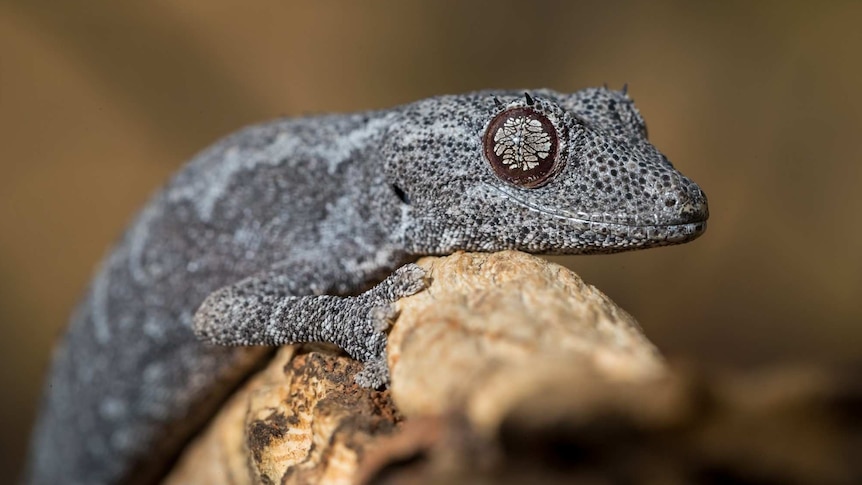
(521, 146)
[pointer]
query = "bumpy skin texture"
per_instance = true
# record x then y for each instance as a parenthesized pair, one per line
(264, 230)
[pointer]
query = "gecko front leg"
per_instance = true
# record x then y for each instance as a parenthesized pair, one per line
(255, 311)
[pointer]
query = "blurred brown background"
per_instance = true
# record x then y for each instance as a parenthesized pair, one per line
(757, 102)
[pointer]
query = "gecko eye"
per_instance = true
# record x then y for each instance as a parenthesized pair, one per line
(521, 145)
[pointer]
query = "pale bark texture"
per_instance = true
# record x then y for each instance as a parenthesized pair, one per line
(511, 369)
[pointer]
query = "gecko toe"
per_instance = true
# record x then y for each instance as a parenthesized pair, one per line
(408, 280)
(374, 375)
(382, 317)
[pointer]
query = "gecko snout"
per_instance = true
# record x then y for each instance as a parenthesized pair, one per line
(688, 202)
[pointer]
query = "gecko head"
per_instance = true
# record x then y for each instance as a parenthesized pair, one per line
(546, 173)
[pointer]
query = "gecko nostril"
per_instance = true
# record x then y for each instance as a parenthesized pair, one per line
(670, 202)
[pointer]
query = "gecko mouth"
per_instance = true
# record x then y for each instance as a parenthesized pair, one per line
(632, 226)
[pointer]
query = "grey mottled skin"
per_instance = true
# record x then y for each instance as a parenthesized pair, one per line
(264, 229)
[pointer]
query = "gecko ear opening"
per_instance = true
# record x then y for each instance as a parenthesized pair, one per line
(401, 194)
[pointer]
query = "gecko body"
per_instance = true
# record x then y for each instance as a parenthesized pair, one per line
(303, 229)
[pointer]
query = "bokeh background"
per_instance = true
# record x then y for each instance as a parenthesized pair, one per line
(757, 102)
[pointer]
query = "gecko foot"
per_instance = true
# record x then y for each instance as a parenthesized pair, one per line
(405, 281)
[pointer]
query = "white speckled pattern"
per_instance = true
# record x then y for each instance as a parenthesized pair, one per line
(272, 224)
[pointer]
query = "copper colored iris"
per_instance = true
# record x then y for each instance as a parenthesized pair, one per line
(521, 145)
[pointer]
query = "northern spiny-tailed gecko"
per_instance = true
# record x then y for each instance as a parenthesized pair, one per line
(275, 234)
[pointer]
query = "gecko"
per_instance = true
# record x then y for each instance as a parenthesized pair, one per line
(306, 229)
